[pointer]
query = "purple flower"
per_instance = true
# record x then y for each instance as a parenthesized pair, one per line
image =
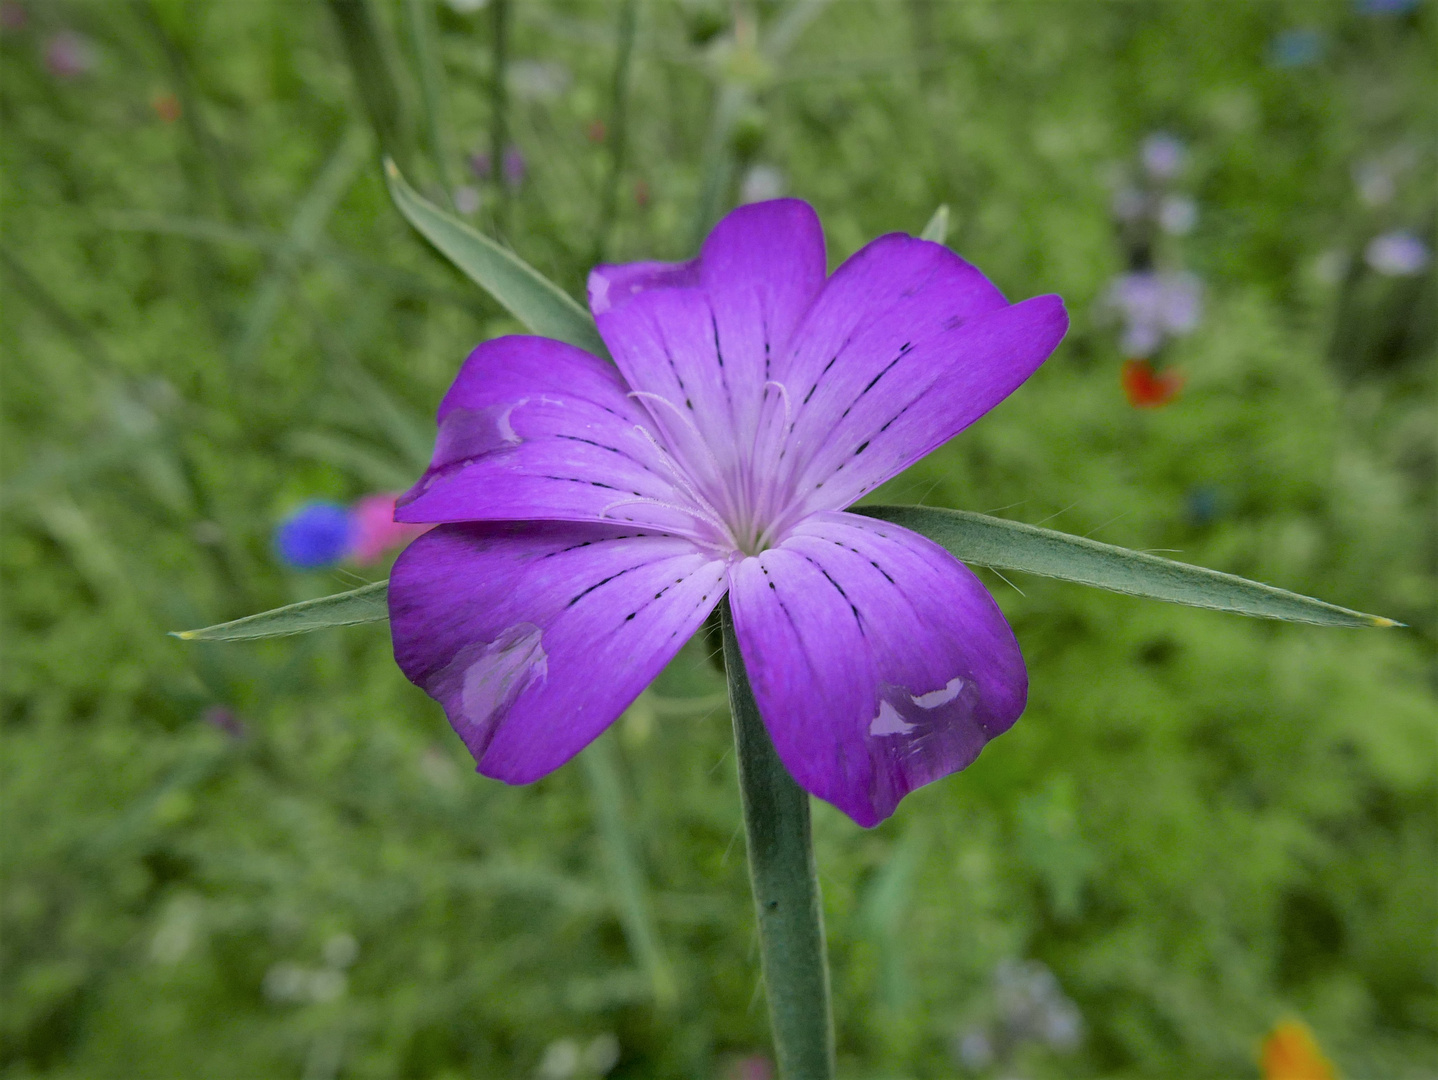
(315, 535)
(1397, 254)
(591, 516)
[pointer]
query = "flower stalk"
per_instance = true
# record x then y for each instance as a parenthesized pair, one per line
(786, 886)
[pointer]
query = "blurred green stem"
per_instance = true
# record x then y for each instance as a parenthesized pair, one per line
(499, 116)
(631, 892)
(618, 120)
(431, 81)
(785, 883)
(374, 79)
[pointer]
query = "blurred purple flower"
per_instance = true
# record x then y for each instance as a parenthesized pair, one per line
(224, 719)
(1154, 306)
(590, 515)
(1296, 48)
(13, 16)
(1163, 155)
(315, 535)
(1397, 254)
(69, 55)
(515, 167)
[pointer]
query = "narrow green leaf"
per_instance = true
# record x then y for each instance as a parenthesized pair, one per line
(1012, 545)
(527, 294)
(937, 229)
(365, 604)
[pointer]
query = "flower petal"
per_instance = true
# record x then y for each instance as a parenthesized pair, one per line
(535, 636)
(878, 661)
(534, 429)
(704, 336)
(907, 345)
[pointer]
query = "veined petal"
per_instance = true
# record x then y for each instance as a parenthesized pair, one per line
(878, 661)
(849, 443)
(535, 636)
(904, 326)
(536, 429)
(705, 336)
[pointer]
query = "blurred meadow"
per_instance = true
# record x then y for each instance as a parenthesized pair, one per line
(274, 859)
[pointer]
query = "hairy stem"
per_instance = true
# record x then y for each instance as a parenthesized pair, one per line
(786, 886)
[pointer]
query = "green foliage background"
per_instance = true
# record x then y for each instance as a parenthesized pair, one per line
(1202, 824)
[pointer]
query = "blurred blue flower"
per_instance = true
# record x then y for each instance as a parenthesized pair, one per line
(315, 535)
(1385, 7)
(1297, 47)
(1205, 504)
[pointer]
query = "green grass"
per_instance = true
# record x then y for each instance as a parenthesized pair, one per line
(1203, 823)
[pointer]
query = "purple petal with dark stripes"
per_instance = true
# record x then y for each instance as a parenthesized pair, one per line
(878, 661)
(907, 345)
(536, 636)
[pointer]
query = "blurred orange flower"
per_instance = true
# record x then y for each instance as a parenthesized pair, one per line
(1146, 388)
(1291, 1053)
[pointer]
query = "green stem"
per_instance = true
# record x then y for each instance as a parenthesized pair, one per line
(609, 198)
(786, 886)
(499, 116)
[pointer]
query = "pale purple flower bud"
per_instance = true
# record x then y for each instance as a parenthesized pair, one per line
(1163, 155)
(1397, 254)
(13, 16)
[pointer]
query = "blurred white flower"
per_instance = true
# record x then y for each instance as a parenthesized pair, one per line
(1399, 253)
(560, 1061)
(602, 1054)
(539, 80)
(1375, 182)
(466, 199)
(286, 981)
(326, 985)
(341, 950)
(1177, 214)
(177, 931)
(464, 7)
(1329, 268)
(760, 183)
(1129, 203)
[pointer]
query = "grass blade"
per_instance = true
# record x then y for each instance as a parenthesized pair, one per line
(369, 603)
(525, 293)
(1012, 545)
